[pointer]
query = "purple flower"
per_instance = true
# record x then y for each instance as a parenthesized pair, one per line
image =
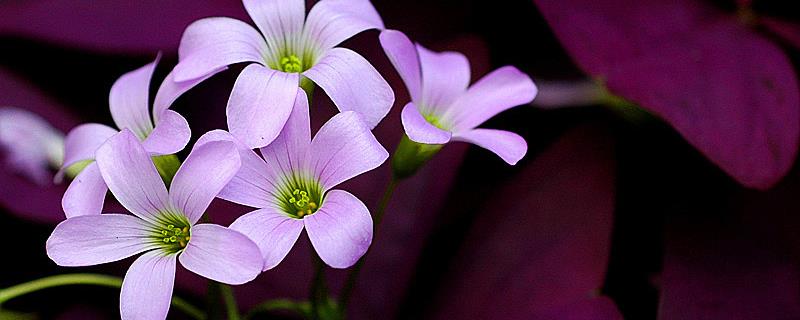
(292, 184)
(444, 107)
(31, 144)
(164, 226)
(288, 49)
(166, 133)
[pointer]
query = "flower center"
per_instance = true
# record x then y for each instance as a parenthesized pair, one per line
(304, 205)
(435, 121)
(173, 233)
(291, 64)
(299, 197)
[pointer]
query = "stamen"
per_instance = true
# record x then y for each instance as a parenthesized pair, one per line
(291, 64)
(302, 203)
(174, 238)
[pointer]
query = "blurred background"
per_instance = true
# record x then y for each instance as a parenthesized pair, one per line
(660, 180)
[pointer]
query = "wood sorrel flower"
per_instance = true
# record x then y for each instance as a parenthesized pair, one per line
(288, 49)
(163, 225)
(292, 184)
(31, 144)
(444, 108)
(129, 105)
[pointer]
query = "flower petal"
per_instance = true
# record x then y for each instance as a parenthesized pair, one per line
(251, 185)
(129, 100)
(86, 194)
(204, 173)
(170, 90)
(95, 239)
(208, 45)
(170, 135)
(82, 142)
(343, 148)
(147, 288)
(404, 57)
(260, 103)
(341, 230)
(30, 143)
(445, 76)
(131, 176)
(420, 130)
(273, 232)
(353, 84)
(222, 255)
(286, 154)
(332, 21)
(281, 21)
(507, 145)
(498, 91)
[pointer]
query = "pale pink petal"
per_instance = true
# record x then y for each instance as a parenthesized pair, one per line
(170, 135)
(272, 230)
(507, 145)
(147, 288)
(281, 21)
(95, 239)
(204, 173)
(420, 130)
(285, 154)
(252, 185)
(129, 100)
(343, 148)
(131, 176)
(170, 90)
(341, 230)
(445, 76)
(30, 143)
(260, 103)
(209, 45)
(332, 21)
(498, 91)
(82, 142)
(353, 84)
(221, 254)
(404, 57)
(86, 194)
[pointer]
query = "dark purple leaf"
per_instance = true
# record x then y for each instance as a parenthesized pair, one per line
(539, 249)
(730, 92)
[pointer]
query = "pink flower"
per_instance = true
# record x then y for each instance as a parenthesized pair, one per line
(31, 144)
(444, 107)
(166, 133)
(288, 49)
(291, 184)
(163, 225)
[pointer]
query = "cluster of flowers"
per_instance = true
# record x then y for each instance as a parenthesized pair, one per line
(291, 179)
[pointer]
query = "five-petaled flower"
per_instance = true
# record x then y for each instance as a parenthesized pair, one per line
(292, 184)
(289, 49)
(129, 104)
(164, 226)
(444, 107)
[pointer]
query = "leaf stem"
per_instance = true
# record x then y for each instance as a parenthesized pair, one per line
(85, 279)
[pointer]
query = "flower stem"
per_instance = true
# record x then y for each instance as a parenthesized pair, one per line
(318, 292)
(352, 277)
(230, 302)
(85, 279)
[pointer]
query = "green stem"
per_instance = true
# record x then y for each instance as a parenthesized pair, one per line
(230, 302)
(352, 277)
(85, 279)
(318, 292)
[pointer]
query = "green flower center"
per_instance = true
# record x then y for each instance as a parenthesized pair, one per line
(300, 197)
(173, 233)
(291, 64)
(435, 121)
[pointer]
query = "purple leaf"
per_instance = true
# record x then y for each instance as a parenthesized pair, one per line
(730, 92)
(114, 26)
(539, 249)
(788, 31)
